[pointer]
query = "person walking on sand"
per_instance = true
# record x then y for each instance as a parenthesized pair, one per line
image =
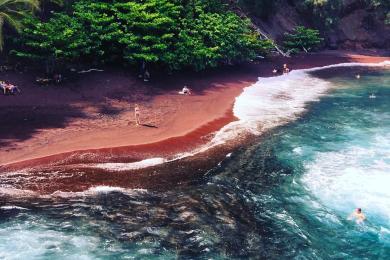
(286, 70)
(137, 114)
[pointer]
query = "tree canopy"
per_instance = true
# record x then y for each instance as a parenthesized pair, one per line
(12, 13)
(172, 34)
(302, 39)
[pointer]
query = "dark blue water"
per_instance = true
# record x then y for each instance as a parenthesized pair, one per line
(288, 195)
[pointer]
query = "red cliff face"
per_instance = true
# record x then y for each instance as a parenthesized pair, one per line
(358, 25)
(363, 28)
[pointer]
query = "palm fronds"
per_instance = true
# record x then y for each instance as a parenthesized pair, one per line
(12, 13)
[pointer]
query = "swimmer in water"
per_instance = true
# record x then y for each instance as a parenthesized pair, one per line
(358, 76)
(358, 216)
(372, 95)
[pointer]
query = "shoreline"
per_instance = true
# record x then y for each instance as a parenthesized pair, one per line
(171, 140)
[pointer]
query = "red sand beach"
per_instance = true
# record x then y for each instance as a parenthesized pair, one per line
(96, 111)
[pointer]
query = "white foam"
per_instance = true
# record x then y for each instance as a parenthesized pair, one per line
(275, 101)
(12, 208)
(10, 191)
(93, 191)
(27, 241)
(269, 103)
(131, 166)
(357, 176)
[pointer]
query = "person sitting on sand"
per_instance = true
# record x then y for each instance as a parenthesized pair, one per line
(358, 216)
(11, 89)
(3, 86)
(137, 114)
(7, 89)
(185, 91)
(286, 70)
(14, 90)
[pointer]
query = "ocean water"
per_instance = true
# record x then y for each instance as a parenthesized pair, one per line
(323, 149)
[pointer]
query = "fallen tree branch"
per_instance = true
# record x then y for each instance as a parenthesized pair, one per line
(242, 14)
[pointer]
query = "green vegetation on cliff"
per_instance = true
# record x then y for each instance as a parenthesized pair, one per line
(165, 33)
(302, 39)
(169, 34)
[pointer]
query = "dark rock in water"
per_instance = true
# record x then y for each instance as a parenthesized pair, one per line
(51, 247)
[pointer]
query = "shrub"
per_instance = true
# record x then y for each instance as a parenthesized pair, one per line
(215, 39)
(302, 39)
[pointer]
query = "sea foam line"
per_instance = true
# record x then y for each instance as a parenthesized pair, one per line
(269, 103)
(93, 191)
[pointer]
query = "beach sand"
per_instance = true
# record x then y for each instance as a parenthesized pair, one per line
(94, 113)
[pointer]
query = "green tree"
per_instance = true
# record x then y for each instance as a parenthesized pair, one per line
(302, 39)
(149, 29)
(214, 39)
(171, 34)
(12, 12)
(61, 39)
(100, 21)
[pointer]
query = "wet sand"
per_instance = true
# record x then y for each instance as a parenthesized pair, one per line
(90, 120)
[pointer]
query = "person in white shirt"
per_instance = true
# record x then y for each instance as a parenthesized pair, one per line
(185, 91)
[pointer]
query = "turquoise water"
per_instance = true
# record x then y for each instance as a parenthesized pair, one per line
(340, 154)
(288, 195)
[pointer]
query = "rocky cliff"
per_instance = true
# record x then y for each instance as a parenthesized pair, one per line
(354, 23)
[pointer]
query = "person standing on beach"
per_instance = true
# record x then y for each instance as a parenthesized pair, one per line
(137, 114)
(144, 72)
(286, 70)
(146, 75)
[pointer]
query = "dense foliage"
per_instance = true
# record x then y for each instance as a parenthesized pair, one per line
(11, 13)
(302, 39)
(171, 34)
(168, 33)
(61, 38)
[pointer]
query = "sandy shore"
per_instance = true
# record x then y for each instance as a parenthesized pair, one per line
(95, 112)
